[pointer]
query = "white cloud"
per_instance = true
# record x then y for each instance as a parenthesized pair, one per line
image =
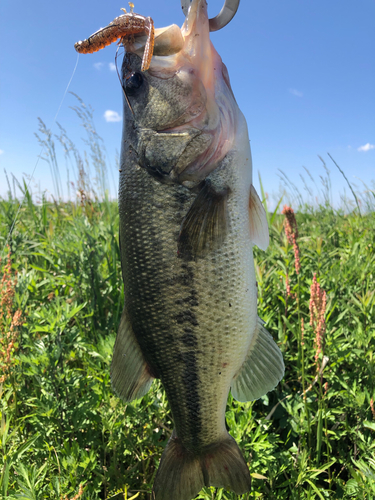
(1, 151)
(296, 92)
(366, 147)
(112, 116)
(112, 66)
(98, 65)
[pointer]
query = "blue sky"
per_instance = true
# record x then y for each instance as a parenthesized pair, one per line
(303, 73)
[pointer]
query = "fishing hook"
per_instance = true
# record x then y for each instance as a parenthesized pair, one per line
(223, 18)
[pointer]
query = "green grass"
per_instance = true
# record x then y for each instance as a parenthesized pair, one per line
(65, 435)
(60, 423)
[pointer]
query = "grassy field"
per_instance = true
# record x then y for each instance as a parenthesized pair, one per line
(65, 435)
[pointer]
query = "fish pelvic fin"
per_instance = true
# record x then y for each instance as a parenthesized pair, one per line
(182, 474)
(258, 221)
(205, 226)
(130, 375)
(262, 369)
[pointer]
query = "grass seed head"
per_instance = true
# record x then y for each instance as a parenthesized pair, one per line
(291, 233)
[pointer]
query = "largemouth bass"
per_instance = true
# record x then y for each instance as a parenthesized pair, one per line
(189, 217)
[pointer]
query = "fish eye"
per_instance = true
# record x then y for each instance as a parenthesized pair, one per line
(133, 83)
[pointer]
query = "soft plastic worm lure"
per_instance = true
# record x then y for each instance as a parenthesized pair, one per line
(123, 26)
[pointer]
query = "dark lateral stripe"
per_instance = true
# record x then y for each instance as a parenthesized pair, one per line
(187, 319)
(191, 382)
(189, 339)
(187, 316)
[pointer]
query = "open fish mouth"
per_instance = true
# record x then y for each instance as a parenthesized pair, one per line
(186, 100)
(203, 125)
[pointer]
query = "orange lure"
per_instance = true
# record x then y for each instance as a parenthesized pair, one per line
(123, 26)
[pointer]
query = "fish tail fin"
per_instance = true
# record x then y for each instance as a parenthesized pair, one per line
(223, 466)
(179, 476)
(182, 474)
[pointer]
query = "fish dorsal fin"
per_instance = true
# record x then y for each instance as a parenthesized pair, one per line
(130, 374)
(258, 221)
(262, 369)
(206, 224)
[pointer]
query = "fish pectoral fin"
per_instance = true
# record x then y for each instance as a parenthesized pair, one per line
(182, 474)
(262, 369)
(205, 226)
(258, 221)
(130, 374)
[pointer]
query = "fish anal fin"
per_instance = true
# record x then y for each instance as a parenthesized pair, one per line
(205, 226)
(262, 369)
(182, 474)
(131, 376)
(258, 221)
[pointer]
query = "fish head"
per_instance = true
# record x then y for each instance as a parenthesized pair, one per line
(180, 114)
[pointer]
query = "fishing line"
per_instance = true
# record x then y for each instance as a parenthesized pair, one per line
(37, 161)
(120, 80)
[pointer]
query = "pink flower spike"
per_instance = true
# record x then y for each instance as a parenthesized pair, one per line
(317, 306)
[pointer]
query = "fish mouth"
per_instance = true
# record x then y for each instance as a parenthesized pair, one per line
(171, 40)
(206, 126)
